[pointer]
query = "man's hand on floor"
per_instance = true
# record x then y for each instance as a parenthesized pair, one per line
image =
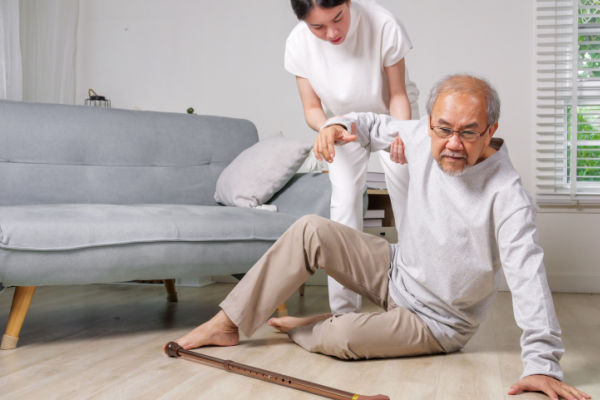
(554, 388)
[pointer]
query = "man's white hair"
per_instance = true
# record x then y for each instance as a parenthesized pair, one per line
(465, 83)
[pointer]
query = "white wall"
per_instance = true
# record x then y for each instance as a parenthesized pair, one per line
(226, 58)
(220, 57)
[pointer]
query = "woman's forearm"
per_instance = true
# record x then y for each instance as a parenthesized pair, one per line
(315, 117)
(399, 103)
(311, 104)
(400, 107)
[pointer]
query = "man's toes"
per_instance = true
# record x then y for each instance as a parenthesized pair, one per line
(274, 322)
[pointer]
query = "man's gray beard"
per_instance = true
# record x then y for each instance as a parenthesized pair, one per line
(453, 173)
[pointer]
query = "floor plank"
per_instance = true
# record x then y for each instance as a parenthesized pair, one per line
(104, 342)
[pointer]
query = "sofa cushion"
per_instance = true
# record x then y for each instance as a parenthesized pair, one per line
(54, 153)
(76, 226)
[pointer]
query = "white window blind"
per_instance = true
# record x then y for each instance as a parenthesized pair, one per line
(568, 102)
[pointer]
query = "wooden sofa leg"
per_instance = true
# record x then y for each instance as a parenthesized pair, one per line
(171, 292)
(20, 305)
(282, 310)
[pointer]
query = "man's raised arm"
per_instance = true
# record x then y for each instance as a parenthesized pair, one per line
(378, 131)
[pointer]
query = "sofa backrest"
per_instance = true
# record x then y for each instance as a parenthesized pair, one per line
(53, 153)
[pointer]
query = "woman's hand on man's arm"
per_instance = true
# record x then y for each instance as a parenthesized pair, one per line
(397, 151)
(399, 105)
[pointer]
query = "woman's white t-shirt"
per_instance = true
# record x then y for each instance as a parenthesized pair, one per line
(350, 76)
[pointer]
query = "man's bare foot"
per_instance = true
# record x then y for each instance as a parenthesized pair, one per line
(218, 331)
(286, 324)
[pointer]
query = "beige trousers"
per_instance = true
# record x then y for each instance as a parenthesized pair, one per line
(360, 262)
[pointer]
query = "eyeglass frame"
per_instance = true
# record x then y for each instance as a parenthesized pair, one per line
(475, 135)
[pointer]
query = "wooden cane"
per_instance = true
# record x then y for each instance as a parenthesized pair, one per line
(175, 350)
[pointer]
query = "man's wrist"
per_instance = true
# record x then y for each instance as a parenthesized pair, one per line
(558, 375)
(341, 121)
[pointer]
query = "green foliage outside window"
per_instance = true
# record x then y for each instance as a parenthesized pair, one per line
(588, 115)
(588, 154)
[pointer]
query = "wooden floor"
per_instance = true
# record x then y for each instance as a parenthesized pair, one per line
(104, 342)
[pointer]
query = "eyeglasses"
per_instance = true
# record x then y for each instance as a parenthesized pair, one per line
(468, 136)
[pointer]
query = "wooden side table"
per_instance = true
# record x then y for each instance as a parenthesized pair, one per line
(379, 199)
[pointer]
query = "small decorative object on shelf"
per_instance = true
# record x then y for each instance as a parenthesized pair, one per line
(95, 100)
(190, 110)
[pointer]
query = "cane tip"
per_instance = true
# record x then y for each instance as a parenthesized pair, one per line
(378, 397)
(172, 349)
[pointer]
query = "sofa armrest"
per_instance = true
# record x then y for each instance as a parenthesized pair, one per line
(308, 193)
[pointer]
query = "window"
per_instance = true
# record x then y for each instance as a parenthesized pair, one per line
(568, 102)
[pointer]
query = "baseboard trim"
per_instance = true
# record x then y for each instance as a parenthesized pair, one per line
(574, 284)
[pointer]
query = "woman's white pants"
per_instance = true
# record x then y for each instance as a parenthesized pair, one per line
(348, 178)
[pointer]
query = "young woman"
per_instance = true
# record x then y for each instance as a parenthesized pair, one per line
(348, 55)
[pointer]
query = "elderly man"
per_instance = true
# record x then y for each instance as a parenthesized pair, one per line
(467, 216)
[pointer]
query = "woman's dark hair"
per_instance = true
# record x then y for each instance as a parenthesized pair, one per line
(303, 7)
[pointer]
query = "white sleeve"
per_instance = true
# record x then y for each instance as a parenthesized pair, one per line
(395, 43)
(375, 130)
(294, 62)
(522, 261)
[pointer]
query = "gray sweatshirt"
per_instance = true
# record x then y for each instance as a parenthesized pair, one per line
(458, 232)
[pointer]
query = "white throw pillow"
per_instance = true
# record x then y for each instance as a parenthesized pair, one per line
(260, 171)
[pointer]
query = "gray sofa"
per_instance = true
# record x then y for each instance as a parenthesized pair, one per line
(91, 195)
